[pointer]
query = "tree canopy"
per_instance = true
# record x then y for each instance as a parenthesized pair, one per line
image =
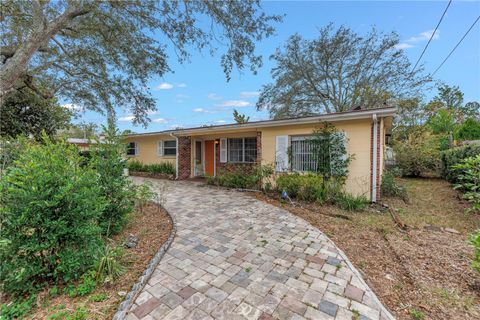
(240, 118)
(101, 54)
(337, 71)
(25, 113)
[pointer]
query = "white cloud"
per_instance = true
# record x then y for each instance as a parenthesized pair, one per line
(126, 118)
(182, 85)
(165, 86)
(160, 120)
(403, 45)
(180, 98)
(235, 103)
(214, 96)
(153, 112)
(199, 110)
(249, 94)
(73, 107)
(220, 121)
(425, 36)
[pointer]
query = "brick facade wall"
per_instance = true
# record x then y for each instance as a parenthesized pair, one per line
(184, 158)
(378, 161)
(247, 167)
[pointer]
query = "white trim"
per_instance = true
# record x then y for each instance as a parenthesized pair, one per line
(374, 158)
(176, 156)
(223, 150)
(160, 148)
(342, 116)
(214, 158)
(136, 149)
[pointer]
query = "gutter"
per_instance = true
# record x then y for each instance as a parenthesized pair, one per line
(176, 155)
(374, 157)
(343, 116)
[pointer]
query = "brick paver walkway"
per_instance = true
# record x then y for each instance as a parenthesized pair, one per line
(235, 257)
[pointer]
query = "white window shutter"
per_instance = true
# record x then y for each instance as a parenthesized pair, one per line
(281, 153)
(223, 150)
(160, 148)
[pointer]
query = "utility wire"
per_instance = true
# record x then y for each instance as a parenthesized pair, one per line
(471, 27)
(433, 34)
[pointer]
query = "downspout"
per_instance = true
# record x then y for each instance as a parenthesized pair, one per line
(176, 155)
(374, 158)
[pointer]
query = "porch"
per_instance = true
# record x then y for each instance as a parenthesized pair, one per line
(207, 155)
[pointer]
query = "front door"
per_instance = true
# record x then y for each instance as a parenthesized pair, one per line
(210, 157)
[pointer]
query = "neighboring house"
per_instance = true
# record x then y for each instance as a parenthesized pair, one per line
(204, 150)
(82, 144)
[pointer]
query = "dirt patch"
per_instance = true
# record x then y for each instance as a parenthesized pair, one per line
(152, 225)
(421, 269)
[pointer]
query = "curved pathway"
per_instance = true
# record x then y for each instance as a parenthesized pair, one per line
(235, 257)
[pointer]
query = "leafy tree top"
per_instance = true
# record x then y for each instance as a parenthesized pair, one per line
(337, 71)
(101, 54)
(240, 118)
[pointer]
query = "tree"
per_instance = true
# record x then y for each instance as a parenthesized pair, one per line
(82, 130)
(101, 54)
(338, 71)
(451, 99)
(240, 118)
(25, 113)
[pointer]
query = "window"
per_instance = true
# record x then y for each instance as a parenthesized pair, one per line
(242, 150)
(308, 157)
(167, 148)
(132, 149)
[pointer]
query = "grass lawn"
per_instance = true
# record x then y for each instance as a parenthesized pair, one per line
(423, 273)
(152, 225)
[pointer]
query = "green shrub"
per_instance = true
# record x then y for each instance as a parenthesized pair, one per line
(469, 130)
(241, 177)
(310, 187)
(455, 156)
(475, 241)
(49, 213)
(108, 161)
(350, 202)
(418, 154)
(162, 167)
(135, 165)
(390, 187)
(468, 180)
(108, 264)
(18, 307)
(143, 194)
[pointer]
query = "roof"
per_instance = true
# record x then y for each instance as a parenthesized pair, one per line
(336, 116)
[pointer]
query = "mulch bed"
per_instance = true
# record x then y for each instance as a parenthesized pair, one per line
(426, 268)
(152, 175)
(152, 225)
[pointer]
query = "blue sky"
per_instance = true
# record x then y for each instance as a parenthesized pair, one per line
(197, 93)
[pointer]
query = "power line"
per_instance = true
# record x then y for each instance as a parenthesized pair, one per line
(471, 27)
(433, 34)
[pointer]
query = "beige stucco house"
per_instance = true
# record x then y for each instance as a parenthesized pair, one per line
(203, 151)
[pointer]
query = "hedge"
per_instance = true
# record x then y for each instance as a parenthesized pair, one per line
(455, 156)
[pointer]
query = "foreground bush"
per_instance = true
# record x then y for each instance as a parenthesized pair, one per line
(418, 154)
(108, 160)
(163, 167)
(455, 156)
(50, 207)
(468, 180)
(241, 177)
(315, 188)
(475, 241)
(390, 188)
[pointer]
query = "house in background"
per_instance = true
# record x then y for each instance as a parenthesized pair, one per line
(201, 151)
